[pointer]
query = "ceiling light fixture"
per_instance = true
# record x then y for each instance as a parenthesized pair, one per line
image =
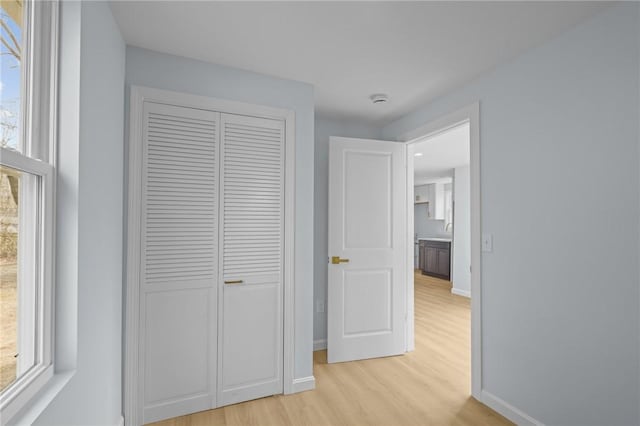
(379, 98)
(417, 154)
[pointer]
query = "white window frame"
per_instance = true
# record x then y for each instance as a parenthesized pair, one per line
(34, 378)
(35, 156)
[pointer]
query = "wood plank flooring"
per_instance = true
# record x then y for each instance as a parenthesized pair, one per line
(430, 386)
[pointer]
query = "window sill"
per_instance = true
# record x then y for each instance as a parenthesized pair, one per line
(41, 401)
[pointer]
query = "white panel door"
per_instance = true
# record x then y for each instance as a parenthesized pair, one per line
(367, 215)
(250, 357)
(179, 255)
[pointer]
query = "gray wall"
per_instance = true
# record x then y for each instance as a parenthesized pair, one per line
(323, 130)
(560, 295)
(152, 69)
(461, 259)
(425, 227)
(89, 256)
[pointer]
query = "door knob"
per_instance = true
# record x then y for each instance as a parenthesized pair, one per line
(336, 260)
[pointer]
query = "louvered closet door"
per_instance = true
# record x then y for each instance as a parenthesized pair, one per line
(250, 330)
(179, 261)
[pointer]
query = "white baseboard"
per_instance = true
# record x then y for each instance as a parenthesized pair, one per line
(121, 421)
(319, 345)
(303, 384)
(465, 293)
(507, 410)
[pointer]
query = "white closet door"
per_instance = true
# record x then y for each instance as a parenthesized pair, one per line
(179, 261)
(251, 321)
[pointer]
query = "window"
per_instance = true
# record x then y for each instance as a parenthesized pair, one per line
(28, 36)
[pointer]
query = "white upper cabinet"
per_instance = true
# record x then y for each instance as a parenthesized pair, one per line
(436, 207)
(435, 195)
(421, 194)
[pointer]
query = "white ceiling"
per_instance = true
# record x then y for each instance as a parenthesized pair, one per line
(412, 51)
(441, 154)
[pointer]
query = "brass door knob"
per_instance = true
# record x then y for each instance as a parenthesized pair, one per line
(336, 260)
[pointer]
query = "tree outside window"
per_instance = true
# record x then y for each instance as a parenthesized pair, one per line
(11, 18)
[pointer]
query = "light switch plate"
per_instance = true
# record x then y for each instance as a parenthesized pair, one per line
(487, 243)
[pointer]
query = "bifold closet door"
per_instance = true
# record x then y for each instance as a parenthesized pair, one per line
(250, 345)
(179, 256)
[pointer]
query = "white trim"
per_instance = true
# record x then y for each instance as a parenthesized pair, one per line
(15, 160)
(507, 410)
(188, 100)
(132, 408)
(303, 384)
(470, 114)
(120, 421)
(39, 80)
(139, 95)
(289, 252)
(38, 221)
(458, 292)
(320, 345)
(410, 339)
(32, 411)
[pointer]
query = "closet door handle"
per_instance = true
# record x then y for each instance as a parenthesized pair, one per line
(234, 282)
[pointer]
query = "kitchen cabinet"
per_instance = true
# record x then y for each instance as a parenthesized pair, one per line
(437, 201)
(438, 198)
(421, 193)
(434, 258)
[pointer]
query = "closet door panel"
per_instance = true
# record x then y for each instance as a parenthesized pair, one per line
(252, 204)
(179, 254)
(177, 379)
(252, 366)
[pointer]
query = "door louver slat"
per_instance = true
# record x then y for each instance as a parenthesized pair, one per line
(180, 196)
(253, 182)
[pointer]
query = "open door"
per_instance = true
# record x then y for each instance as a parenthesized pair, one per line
(367, 249)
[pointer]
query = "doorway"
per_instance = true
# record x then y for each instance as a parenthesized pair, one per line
(442, 226)
(446, 247)
(367, 218)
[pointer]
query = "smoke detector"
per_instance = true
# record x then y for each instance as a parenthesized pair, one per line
(379, 98)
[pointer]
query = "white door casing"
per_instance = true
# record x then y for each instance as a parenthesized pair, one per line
(367, 225)
(470, 114)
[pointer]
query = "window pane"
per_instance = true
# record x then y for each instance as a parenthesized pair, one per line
(17, 274)
(10, 72)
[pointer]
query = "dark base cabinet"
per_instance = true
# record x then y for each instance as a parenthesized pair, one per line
(434, 258)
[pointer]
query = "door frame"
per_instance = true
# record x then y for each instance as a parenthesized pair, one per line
(139, 94)
(468, 114)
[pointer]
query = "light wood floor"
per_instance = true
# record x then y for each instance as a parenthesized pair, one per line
(430, 386)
